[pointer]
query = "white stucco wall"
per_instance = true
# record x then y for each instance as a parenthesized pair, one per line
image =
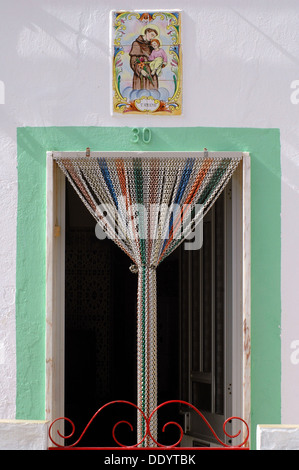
(23, 435)
(277, 437)
(55, 72)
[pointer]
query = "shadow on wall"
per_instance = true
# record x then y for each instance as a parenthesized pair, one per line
(59, 52)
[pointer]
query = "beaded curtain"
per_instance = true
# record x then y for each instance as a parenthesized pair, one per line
(148, 204)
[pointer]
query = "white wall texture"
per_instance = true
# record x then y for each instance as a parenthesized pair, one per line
(23, 435)
(283, 437)
(241, 60)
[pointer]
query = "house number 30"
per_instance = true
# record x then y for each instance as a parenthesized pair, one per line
(141, 134)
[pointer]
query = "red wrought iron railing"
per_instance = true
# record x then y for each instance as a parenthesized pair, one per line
(147, 435)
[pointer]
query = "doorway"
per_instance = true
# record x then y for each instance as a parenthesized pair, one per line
(109, 368)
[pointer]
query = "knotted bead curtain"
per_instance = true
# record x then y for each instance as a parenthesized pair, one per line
(148, 203)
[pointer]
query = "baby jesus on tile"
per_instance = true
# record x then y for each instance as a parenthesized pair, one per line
(157, 58)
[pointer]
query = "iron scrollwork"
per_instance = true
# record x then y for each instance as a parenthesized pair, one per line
(147, 420)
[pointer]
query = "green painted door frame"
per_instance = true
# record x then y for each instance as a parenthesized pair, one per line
(264, 148)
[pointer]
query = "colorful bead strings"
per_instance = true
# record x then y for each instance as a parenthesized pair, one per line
(132, 197)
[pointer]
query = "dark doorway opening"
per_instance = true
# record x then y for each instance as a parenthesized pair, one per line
(100, 333)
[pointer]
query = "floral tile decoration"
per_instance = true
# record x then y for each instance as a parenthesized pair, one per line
(147, 62)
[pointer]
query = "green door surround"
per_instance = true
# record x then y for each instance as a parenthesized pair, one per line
(264, 148)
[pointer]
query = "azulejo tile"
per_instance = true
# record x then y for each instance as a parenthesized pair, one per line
(146, 62)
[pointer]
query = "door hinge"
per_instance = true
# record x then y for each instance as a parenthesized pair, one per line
(187, 423)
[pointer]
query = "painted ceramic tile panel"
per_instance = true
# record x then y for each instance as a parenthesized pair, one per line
(147, 62)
